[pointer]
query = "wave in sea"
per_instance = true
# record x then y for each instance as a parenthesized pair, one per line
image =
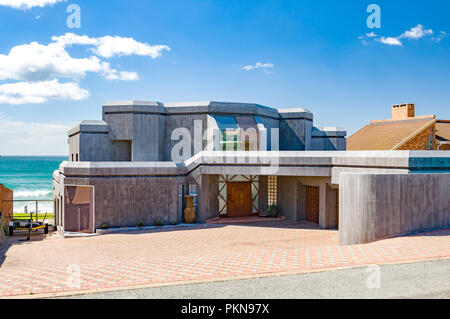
(33, 194)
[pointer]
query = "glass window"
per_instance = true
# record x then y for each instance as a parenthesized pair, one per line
(229, 129)
(193, 191)
(227, 123)
(258, 120)
(239, 133)
(248, 133)
(180, 201)
(272, 190)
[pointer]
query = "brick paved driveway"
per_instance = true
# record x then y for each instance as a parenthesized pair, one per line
(195, 254)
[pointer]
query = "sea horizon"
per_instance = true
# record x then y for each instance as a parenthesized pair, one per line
(30, 177)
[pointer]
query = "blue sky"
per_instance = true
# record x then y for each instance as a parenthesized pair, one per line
(319, 55)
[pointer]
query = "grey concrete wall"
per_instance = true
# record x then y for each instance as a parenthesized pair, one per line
(287, 197)
(120, 125)
(301, 202)
(293, 134)
(120, 151)
(330, 215)
(328, 143)
(186, 121)
(94, 147)
(375, 206)
(263, 194)
(74, 146)
(148, 137)
(209, 198)
(125, 202)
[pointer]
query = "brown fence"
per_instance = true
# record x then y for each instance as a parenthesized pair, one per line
(2, 229)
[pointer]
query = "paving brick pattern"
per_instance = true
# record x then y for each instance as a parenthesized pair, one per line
(201, 253)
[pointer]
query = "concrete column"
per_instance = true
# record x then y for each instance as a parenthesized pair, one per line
(209, 198)
(322, 205)
(263, 194)
(287, 197)
(327, 206)
(301, 202)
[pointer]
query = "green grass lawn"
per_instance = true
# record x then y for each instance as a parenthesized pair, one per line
(22, 216)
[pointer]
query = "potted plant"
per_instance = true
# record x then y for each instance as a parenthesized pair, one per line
(272, 211)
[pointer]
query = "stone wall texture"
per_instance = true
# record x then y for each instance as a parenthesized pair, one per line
(419, 142)
(6, 204)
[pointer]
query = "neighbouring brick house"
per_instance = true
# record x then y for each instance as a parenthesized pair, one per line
(6, 204)
(404, 131)
(443, 134)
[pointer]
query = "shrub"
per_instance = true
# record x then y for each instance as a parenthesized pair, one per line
(272, 211)
(104, 226)
(140, 224)
(159, 223)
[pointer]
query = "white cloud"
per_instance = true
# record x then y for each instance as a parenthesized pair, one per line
(416, 33)
(258, 65)
(33, 138)
(37, 65)
(390, 41)
(441, 36)
(122, 76)
(367, 36)
(27, 4)
(40, 92)
(37, 62)
(109, 46)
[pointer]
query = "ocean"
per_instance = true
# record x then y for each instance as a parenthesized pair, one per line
(31, 178)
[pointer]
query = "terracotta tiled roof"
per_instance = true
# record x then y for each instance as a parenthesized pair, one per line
(443, 130)
(386, 135)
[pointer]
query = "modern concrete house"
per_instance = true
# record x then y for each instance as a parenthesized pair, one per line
(137, 164)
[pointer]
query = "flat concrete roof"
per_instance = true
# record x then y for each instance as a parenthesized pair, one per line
(328, 132)
(205, 107)
(89, 127)
(283, 163)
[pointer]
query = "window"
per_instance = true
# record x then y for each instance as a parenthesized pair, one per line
(193, 191)
(238, 133)
(180, 201)
(249, 133)
(272, 190)
(77, 158)
(229, 129)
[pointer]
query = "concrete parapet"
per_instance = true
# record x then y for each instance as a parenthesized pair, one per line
(378, 206)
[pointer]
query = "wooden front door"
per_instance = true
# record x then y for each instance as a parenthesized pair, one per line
(312, 204)
(239, 199)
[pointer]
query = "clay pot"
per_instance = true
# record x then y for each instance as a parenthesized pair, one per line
(189, 211)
